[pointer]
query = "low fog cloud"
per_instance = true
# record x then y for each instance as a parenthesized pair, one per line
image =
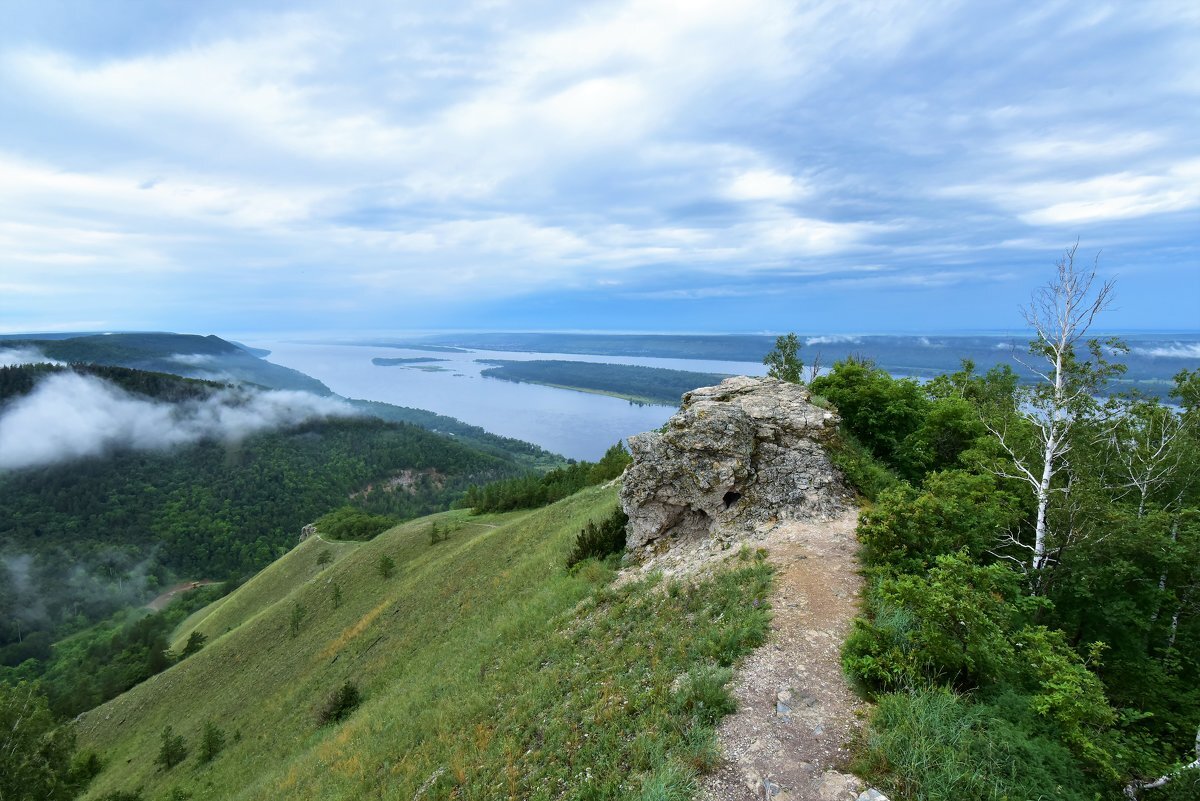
(833, 339)
(14, 356)
(68, 416)
(192, 359)
(1175, 350)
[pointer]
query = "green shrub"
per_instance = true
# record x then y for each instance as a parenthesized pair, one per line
(385, 566)
(339, 703)
(600, 540)
(195, 642)
(908, 529)
(172, 750)
(950, 626)
(348, 523)
(212, 741)
(864, 472)
(296, 619)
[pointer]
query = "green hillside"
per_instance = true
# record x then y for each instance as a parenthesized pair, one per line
(81, 538)
(190, 355)
(487, 670)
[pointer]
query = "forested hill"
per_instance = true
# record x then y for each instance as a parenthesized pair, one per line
(185, 479)
(632, 382)
(189, 355)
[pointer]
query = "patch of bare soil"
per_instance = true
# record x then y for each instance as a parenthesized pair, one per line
(160, 603)
(796, 711)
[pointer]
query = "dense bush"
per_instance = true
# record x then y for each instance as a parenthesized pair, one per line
(534, 490)
(339, 704)
(598, 540)
(908, 528)
(348, 523)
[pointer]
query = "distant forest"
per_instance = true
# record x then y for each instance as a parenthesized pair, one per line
(637, 384)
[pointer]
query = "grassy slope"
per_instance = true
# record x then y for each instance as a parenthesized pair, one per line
(272, 584)
(488, 672)
(440, 609)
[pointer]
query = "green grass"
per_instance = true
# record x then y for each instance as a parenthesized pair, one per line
(272, 584)
(487, 670)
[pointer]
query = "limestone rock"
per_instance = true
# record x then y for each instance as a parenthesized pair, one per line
(307, 531)
(737, 457)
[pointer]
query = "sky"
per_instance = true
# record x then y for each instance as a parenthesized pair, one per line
(841, 166)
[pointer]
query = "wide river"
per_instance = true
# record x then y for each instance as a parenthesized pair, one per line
(576, 424)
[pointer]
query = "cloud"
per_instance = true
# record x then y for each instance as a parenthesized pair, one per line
(23, 355)
(382, 163)
(192, 359)
(70, 416)
(1176, 350)
(833, 339)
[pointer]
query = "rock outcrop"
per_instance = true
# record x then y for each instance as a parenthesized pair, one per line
(736, 458)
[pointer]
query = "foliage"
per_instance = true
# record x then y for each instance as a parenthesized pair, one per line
(212, 741)
(37, 755)
(385, 566)
(878, 410)
(864, 472)
(636, 383)
(195, 642)
(783, 362)
(934, 744)
(1079, 680)
(348, 523)
(297, 618)
(598, 540)
(108, 658)
(533, 490)
(339, 704)
(955, 510)
(172, 748)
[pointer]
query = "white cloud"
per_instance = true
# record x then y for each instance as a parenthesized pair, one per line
(765, 185)
(70, 416)
(833, 339)
(1176, 350)
(1113, 196)
(23, 355)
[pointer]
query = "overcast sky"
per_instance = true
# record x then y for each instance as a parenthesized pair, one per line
(729, 166)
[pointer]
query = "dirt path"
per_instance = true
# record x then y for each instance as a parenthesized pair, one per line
(160, 603)
(796, 711)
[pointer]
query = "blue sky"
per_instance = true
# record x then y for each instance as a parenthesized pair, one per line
(724, 166)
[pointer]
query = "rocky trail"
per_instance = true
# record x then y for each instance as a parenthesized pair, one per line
(746, 462)
(796, 711)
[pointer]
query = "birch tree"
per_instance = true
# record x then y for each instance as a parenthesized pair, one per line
(1070, 369)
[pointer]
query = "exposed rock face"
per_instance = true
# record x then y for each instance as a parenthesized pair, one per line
(307, 531)
(735, 458)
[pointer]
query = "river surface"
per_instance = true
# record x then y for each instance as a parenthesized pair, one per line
(579, 425)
